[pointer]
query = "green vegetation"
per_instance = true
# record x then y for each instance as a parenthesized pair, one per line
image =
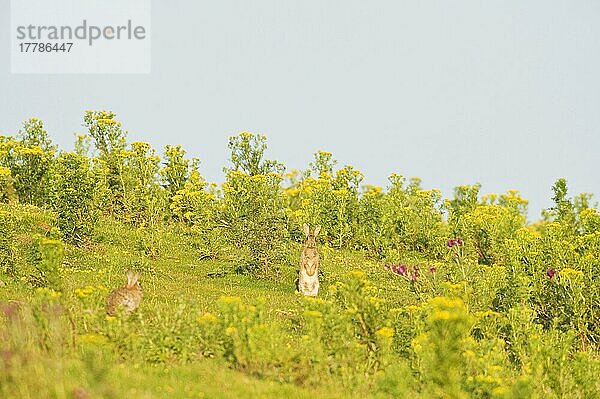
(420, 295)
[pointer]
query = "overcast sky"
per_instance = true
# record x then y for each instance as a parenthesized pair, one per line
(505, 93)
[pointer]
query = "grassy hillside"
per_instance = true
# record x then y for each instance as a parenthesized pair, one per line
(175, 284)
(420, 295)
(63, 345)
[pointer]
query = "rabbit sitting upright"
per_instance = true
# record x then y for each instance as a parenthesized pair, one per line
(308, 280)
(129, 295)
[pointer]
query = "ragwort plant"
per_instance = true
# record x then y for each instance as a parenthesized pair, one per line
(253, 207)
(329, 199)
(143, 200)
(176, 169)
(190, 202)
(412, 219)
(110, 143)
(359, 301)
(477, 303)
(368, 233)
(29, 157)
(76, 196)
(251, 344)
(7, 188)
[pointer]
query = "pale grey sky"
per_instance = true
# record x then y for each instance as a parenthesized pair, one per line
(506, 93)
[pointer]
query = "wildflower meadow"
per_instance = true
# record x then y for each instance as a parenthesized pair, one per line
(420, 295)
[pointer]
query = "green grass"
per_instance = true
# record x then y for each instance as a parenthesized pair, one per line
(177, 272)
(174, 275)
(84, 354)
(60, 378)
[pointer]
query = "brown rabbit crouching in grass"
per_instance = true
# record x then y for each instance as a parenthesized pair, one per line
(308, 280)
(129, 295)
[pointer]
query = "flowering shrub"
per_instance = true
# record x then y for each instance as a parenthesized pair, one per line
(576, 215)
(355, 309)
(328, 199)
(252, 207)
(465, 200)
(7, 189)
(143, 199)
(442, 336)
(473, 301)
(253, 211)
(192, 201)
(29, 158)
(249, 342)
(76, 196)
(412, 218)
(105, 130)
(368, 232)
(485, 225)
(130, 176)
(193, 205)
(247, 155)
(176, 169)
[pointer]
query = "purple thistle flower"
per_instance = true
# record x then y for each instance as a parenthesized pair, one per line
(551, 272)
(455, 241)
(414, 275)
(432, 269)
(399, 269)
(402, 270)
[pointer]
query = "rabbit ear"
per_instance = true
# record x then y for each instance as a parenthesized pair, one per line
(317, 230)
(132, 278)
(306, 229)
